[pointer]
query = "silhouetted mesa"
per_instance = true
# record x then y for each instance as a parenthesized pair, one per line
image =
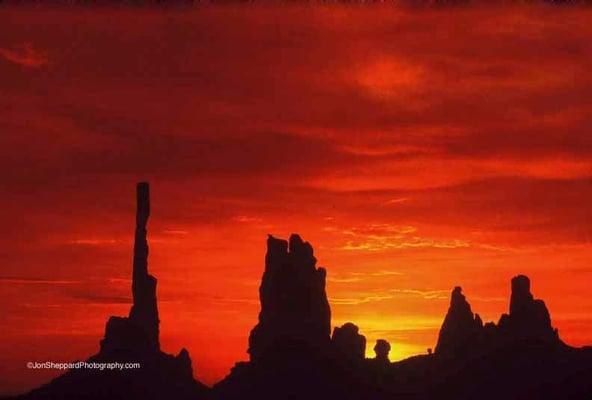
(294, 306)
(134, 339)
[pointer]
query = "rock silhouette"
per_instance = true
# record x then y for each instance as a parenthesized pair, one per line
(348, 343)
(132, 339)
(293, 356)
(294, 306)
(140, 330)
(144, 312)
(521, 357)
(528, 317)
(382, 349)
(460, 326)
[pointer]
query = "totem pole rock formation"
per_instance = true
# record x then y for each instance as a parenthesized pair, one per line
(140, 329)
(132, 339)
(144, 311)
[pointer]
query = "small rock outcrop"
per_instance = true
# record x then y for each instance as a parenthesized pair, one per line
(460, 326)
(348, 343)
(294, 306)
(382, 349)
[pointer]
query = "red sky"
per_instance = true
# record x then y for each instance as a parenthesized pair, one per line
(416, 149)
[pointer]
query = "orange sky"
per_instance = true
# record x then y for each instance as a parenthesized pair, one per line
(416, 149)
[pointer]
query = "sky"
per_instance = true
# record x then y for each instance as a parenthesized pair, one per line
(416, 149)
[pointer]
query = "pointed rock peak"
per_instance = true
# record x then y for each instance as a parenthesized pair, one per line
(295, 242)
(459, 326)
(184, 362)
(457, 297)
(459, 303)
(277, 246)
(300, 247)
(184, 354)
(382, 350)
(478, 320)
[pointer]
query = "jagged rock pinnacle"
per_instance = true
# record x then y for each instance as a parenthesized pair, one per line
(294, 305)
(459, 327)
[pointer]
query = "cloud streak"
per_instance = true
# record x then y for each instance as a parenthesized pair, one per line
(25, 56)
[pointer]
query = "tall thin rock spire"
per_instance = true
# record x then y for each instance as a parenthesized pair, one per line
(144, 312)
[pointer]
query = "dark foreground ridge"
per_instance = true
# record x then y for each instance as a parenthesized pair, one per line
(294, 355)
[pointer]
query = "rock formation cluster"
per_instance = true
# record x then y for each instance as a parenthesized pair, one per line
(463, 332)
(292, 354)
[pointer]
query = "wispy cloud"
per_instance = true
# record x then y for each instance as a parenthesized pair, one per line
(94, 242)
(352, 301)
(176, 232)
(25, 55)
(380, 237)
(425, 294)
(392, 294)
(379, 244)
(358, 276)
(37, 281)
(344, 280)
(246, 219)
